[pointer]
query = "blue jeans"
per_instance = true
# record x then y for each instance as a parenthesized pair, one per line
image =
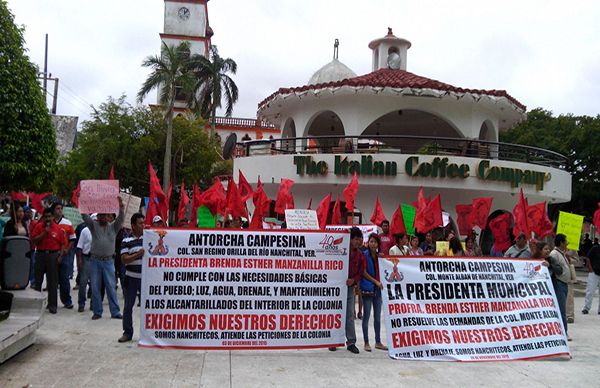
(374, 301)
(131, 286)
(561, 289)
(84, 276)
(350, 330)
(65, 271)
(103, 271)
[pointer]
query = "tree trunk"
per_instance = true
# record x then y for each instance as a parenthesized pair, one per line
(168, 142)
(213, 121)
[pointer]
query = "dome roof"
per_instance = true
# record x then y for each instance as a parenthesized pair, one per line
(332, 72)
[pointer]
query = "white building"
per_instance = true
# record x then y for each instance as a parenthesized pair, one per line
(399, 131)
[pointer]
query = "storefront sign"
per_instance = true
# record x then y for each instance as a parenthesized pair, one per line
(343, 166)
(470, 309)
(230, 289)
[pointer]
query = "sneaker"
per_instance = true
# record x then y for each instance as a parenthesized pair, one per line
(352, 348)
(585, 311)
(380, 346)
(96, 316)
(52, 310)
(118, 316)
(332, 349)
(124, 338)
(367, 348)
(80, 309)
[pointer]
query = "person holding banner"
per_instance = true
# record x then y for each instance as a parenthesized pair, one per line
(102, 266)
(400, 249)
(132, 253)
(370, 287)
(561, 275)
(356, 268)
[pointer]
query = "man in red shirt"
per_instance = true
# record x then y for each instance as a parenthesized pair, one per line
(387, 240)
(65, 269)
(50, 242)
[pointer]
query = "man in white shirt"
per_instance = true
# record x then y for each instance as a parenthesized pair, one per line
(83, 263)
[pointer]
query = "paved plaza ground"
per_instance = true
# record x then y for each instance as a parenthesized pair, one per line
(73, 351)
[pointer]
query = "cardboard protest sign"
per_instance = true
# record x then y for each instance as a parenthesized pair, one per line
(570, 225)
(72, 214)
(132, 205)
(240, 289)
(470, 309)
(99, 196)
(301, 219)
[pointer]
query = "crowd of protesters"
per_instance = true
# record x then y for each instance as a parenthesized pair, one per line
(107, 254)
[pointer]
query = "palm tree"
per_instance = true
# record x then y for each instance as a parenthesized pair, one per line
(212, 84)
(171, 75)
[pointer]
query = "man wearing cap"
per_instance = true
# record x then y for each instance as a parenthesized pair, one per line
(102, 264)
(50, 242)
(157, 222)
(520, 250)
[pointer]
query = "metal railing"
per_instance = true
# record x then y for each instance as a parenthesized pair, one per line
(404, 144)
(240, 122)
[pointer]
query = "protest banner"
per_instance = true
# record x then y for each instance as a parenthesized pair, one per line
(72, 214)
(301, 219)
(132, 205)
(470, 309)
(570, 225)
(365, 229)
(99, 196)
(240, 289)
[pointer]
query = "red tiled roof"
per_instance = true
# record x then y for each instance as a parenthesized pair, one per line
(393, 79)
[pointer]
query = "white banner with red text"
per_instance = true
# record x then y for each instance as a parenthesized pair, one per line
(239, 289)
(470, 309)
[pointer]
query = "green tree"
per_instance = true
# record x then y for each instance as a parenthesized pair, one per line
(27, 138)
(172, 77)
(576, 137)
(213, 85)
(127, 137)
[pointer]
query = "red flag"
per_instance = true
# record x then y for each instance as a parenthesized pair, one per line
(377, 217)
(257, 219)
(75, 195)
(323, 211)
(166, 204)
(429, 216)
(35, 200)
(499, 227)
(538, 220)
(214, 198)
(111, 174)
(520, 215)
(336, 216)
(397, 224)
(195, 205)
(481, 211)
(283, 196)
(463, 218)
(244, 187)
(18, 196)
(349, 193)
(260, 199)
(596, 219)
(184, 200)
(156, 196)
(309, 204)
(235, 205)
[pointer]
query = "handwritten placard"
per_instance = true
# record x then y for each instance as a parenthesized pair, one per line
(570, 225)
(132, 206)
(301, 219)
(99, 196)
(72, 214)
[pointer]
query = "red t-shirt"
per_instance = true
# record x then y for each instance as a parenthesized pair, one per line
(54, 240)
(387, 241)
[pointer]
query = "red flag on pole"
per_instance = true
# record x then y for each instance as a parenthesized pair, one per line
(235, 205)
(463, 218)
(184, 200)
(74, 196)
(35, 200)
(111, 174)
(481, 211)
(349, 193)
(377, 217)
(538, 221)
(283, 196)
(166, 204)
(244, 187)
(195, 206)
(260, 199)
(156, 195)
(428, 216)
(520, 215)
(214, 198)
(499, 227)
(336, 216)
(323, 211)
(397, 224)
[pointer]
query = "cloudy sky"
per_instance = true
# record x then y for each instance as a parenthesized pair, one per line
(544, 53)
